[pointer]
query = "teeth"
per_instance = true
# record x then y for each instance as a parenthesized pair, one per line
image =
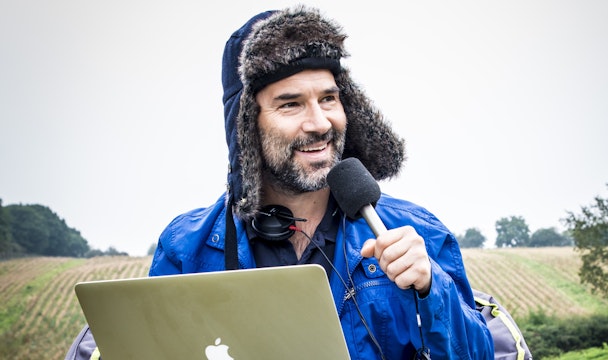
(313, 149)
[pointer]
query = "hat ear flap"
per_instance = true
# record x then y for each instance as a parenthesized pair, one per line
(369, 136)
(248, 204)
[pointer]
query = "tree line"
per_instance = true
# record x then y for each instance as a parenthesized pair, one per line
(513, 231)
(37, 230)
(586, 230)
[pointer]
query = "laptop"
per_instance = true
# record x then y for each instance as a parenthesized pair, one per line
(271, 313)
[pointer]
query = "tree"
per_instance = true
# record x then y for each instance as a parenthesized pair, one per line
(152, 249)
(75, 244)
(111, 251)
(7, 245)
(35, 229)
(94, 253)
(29, 229)
(472, 238)
(512, 232)
(549, 237)
(589, 229)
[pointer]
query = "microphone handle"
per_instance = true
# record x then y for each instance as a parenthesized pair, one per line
(373, 220)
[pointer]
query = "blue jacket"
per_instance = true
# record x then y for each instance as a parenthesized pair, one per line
(194, 242)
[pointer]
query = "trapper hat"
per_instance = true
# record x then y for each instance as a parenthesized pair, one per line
(274, 45)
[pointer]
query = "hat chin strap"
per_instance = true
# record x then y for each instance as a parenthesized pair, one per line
(231, 255)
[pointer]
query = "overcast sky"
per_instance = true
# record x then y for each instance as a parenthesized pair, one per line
(111, 113)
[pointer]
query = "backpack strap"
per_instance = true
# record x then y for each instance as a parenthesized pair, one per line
(509, 342)
(96, 355)
(84, 347)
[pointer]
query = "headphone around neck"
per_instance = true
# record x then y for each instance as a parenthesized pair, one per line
(275, 223)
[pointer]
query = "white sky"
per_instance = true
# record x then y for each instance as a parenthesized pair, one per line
(111, 113)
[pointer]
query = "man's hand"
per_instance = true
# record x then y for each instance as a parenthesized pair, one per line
(403, 257)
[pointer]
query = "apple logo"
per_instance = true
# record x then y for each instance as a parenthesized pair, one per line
(218, 351)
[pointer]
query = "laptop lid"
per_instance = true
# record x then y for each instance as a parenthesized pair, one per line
(267, 313)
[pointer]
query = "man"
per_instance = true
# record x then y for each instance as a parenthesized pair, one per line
(292, 112)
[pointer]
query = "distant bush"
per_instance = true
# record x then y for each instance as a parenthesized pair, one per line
(110, 252)
(549, 336)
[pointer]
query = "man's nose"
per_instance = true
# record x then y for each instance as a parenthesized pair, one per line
(316, 120)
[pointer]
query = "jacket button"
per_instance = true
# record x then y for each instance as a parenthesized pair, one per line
(215, 238)
(371, 268)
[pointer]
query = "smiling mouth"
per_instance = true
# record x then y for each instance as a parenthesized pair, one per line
(313, 148)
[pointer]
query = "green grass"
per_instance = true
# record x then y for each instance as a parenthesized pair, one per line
(11, 311)
(599, 353)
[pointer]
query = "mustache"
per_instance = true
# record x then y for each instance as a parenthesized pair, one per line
(314, 138)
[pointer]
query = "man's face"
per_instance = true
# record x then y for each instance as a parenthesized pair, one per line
(302, 127)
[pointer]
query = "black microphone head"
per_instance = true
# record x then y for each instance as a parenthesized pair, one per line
(353, 186)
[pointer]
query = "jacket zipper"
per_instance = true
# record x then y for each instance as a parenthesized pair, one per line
(352, 291)
(349, 294)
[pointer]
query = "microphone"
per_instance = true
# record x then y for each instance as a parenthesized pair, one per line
(356, 192)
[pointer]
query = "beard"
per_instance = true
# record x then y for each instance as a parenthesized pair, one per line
(291, 176)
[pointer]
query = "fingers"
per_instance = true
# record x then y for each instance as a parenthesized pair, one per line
(402, 256)
(368, 248)
(416, 274)
(397, 254)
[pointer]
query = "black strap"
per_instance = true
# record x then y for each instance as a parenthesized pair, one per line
(230, 248)
(423, 353)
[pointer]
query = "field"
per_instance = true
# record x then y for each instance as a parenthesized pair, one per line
(532, 279)
(39, 313)
(40, 316)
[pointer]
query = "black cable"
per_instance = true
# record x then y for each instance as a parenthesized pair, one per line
(423, 353)
(350, 293)
(371, 335)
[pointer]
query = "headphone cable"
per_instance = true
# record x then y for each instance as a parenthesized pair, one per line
(351, 292)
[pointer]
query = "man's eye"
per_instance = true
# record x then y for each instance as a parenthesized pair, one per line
(328, 98)
(288, 105)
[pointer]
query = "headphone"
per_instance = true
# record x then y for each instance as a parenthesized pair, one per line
(275, 223)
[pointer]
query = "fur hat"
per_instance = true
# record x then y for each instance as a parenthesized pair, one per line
(274, 45)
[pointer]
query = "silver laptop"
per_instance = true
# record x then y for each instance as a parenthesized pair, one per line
(268, 313)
